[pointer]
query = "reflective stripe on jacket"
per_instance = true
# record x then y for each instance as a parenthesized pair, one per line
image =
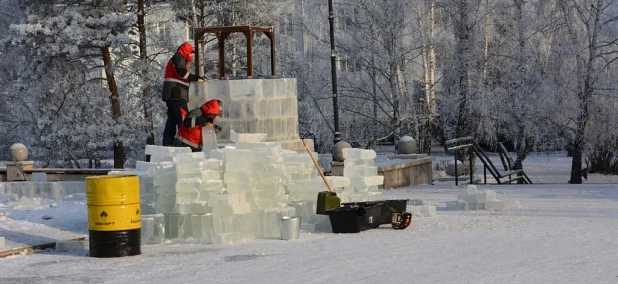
(177, 74)
(192, 134)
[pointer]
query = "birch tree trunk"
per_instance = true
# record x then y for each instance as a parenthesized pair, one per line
(428, 56)
(462, 65)
(527, 141)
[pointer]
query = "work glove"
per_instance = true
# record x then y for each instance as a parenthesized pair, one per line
(217, 128)
(202, 121)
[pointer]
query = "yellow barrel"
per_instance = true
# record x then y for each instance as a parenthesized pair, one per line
(114, 220)
(114, 217)
(112, 190)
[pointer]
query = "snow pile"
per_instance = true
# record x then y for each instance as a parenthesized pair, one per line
(472, 199)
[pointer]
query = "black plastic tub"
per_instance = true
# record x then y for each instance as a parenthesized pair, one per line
(388, 207)
(355, 218)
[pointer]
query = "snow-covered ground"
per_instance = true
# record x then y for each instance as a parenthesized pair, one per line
(563, 234)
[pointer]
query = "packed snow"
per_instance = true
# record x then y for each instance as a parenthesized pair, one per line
(562, 233)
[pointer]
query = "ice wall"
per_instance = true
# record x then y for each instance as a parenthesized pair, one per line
(253, 106)
(241, 192)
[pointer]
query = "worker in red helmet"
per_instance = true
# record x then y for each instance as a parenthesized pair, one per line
(176, 90)
(190, 131)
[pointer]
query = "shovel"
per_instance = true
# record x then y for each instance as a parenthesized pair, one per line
(327, 200)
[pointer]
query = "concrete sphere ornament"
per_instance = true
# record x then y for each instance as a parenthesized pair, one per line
(338, 150)
(450, 168)
(406, 145)
(19, 152)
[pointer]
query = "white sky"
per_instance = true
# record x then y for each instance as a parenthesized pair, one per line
(563, 234)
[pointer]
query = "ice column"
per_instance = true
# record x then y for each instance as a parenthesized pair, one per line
(304, 184)
(184, 182)
(359, 167)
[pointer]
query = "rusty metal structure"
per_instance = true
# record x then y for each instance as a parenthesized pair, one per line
(221, 33)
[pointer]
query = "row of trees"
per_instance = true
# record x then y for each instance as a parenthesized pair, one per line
(82, 78)
(538, 74)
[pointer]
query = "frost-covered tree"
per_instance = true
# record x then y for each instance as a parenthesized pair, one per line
(592, 51)
(375, 49)
(12, 123)
(65, 45)
(210, 13)
(512, 77)
(429, 34)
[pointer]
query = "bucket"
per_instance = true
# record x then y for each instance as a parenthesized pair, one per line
(290, 227)
(114, 219)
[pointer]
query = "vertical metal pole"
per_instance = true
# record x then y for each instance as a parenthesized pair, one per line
(249, 36)
(272, 53)
(221, 40)
(485, 173)
(471, 164)
(333, 67)
(196, 66)
(456, 174)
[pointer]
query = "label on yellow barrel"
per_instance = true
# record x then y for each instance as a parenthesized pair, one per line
(112, 190)
(114, 217)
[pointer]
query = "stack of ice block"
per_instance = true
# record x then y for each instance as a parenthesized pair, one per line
(303, 186)
(153, 229)
(147, 192)
(254, 177)
(185, 185)
(359, 167)
(184, 182)
(308, 189)
(472, 199)
(253, 106)
(242, 192)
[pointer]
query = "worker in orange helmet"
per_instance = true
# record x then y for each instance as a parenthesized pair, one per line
(190, 131)
(176, 89)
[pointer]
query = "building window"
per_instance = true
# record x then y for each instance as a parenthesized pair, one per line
(190, 32)
(346, 63)
(286, 24)
(345, 18)
(341, 19)
(163, 30)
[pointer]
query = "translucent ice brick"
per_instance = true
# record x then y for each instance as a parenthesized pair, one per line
(360, 162)
(355, 153)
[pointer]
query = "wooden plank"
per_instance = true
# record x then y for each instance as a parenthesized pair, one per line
(34, 248)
